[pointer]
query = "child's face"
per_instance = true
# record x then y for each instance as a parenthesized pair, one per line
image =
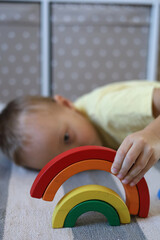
(55, 131)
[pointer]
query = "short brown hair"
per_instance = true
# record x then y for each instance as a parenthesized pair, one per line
(11, 137)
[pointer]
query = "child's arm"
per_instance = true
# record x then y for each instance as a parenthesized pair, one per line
(141, 150)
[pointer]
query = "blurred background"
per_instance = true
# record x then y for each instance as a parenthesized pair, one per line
(72, 47)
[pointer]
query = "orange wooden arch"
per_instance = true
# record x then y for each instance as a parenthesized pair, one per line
(132, 196)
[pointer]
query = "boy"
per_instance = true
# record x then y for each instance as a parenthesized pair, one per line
(123, 116)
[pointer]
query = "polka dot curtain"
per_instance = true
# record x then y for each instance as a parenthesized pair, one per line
(19, 50)
(97, 44)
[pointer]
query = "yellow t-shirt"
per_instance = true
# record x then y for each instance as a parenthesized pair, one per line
(119, 109)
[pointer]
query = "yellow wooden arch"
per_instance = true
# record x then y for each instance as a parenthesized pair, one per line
(89, 192)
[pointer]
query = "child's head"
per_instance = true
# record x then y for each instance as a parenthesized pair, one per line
(33, 130)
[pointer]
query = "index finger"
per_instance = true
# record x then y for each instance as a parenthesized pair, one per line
(120, 156)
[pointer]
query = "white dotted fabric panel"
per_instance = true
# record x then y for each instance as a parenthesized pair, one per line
(19, 50)
(94, 44)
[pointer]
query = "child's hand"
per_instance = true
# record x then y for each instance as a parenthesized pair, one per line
(136, 155)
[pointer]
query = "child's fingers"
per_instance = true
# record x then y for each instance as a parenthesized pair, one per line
(120, 156)
(131, 157)
(142, 173)
(140, 164)
(135, 170)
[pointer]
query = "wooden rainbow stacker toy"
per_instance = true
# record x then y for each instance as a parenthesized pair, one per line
(89, 197)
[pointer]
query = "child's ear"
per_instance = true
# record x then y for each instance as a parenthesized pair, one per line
(64, 101)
